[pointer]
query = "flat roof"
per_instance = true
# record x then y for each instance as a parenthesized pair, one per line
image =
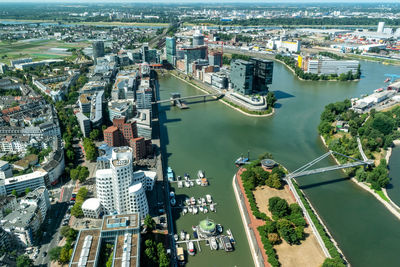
(117, 222)
(120, 250)
(95, 233)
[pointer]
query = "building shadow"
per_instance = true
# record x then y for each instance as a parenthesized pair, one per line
(324, 183)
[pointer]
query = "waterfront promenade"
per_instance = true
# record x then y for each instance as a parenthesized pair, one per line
(250, 222)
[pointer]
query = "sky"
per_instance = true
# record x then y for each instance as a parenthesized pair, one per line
(202, 1)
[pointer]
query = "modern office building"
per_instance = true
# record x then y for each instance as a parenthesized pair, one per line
(123, 231)
(327, 66)
(170, 47)
(198, 39)
(263, 70)
(20, 183)
(118, 183)
(241, 76)
(121, 108)
(98, 50)
(149, 55)
(215, 58)
(144, 97)
(192, 54)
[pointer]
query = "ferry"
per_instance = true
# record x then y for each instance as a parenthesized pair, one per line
(191, 250)
(170, 174)
(181, 256)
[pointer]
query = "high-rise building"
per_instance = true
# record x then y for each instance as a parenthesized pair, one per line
(170, 47)
(215, 58)
(119, 189)
(149, 55)
(241, 76)
(381, 26)
(191, 54)
(98, 50)
(263, 70)
(139, 147)
(198, 39)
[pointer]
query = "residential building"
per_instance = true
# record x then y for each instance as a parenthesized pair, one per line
(15, 62)
(139, 147)
(40, 198)
(84, 124)
(5, 170)
(20, 183)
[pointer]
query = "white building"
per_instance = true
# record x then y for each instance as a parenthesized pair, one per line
(92, 208)
(20, 183)
(117, 186)
(381, 26)
(38, 197)
(330, 66)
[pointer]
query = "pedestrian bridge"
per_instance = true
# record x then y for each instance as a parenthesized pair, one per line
(178, 97)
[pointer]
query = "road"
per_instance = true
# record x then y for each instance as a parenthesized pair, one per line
(52, 224)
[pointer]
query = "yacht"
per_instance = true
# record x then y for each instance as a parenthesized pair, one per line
(181, 256)
(195, 210)
(209, 198)
(213, 243)
(182, 235)
(212, 207)
(193, 201)
(198, 181)
(226, 242)
(184, 211)
(201, 208)
(180, 184)
(200, 174)
(205, 209)
(203, 201)
(176, 238)
(190, 209)
(187, 184)
(191, 249)
(199, 201)
(187, 201)
(191, 183)
(170, 174)
(187, 236)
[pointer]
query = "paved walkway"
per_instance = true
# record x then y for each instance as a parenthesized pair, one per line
(254, 222)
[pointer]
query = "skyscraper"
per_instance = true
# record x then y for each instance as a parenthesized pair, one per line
(170, 47)
(98, 50)
(241, 76)
(215, 58)
(198, 39)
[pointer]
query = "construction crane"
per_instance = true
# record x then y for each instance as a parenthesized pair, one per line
(391, 77)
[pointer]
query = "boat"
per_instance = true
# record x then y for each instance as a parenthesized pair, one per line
(171, 194)
(186, 176)
(195, 235)
(203, 201)
(212, 208)
(193, 201)
(182, 235)
(195, 210)
(176, 238)
(229, 232)
(219, 228)
(187, 201)
(209, 198)
(241, 161)
(194, 228)
(204, 182)
(184, 211)
(387, 80)
(178, 178)
(170, 174)
(190, 209)
(187, 184)
(198, 181)
(201, 208)
(213, 243)
(199, 201)
(181, 256)
(200, 174)
(191, 250)
(226, 243)
(187, 236)
(205, 209)
(180, 184)
(173, 201)
(191, 183)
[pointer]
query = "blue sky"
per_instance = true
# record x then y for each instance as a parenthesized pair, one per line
(202, 1)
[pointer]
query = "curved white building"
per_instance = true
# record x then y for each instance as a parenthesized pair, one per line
(121, 167)
(92, 208)
(104, 189)
(137, 200)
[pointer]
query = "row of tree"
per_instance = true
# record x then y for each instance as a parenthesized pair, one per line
(63, 254)
(80, 198)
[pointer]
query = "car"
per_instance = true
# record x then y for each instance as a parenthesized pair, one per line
(44, 254)
(72, 199)
(162, 219)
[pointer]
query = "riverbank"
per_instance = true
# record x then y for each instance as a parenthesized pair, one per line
(390, 205)
(247, 113)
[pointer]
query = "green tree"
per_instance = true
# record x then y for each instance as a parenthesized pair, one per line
(333, 262)
(14, 192)
(163, 258)
(54, 253)
(24, 261)
(94, 134)
(83, 173)
(74, 174)
(149, 223)
(278, 207)
(27, 190)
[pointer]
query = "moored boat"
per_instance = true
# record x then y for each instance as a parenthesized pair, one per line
(198, 181)
(182, 235)
(219, 228)
(213, 243)
(212, 208)
(187, 236)
(226, 243)
(170, 174)
(209, 198)
(176, 238)
(187, 184)
(180, 255)
(192, 201)
(191, 249)
(201, 208)
(180, 184)
(200, 174)
(195, 210)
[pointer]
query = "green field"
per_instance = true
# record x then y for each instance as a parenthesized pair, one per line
(36, 49)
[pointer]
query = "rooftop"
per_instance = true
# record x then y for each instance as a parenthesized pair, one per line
(91, 204)
(120, 221)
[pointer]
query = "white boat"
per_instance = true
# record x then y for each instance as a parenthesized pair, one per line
(198, 181)
(199, 201)
(180, 184)
(209, 198)
(200, 174)
(203, 201)
(201, 208)
(219, 228)
(187, 184)
(182, 235)
(193, 201)
(187, 201)
(195, 210)
(212, 208)
(176, 238)
(173, 201)
(178, 178)
(184, 211)
(205, 209)
(187, 236)
(186, 176)
(191, 250)
(171, 194)
(229, 232)
(194, 228)
(191, 183)
(190, 209)
(213, 243)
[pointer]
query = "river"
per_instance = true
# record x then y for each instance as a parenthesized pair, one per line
(210, 136)
(393, 189)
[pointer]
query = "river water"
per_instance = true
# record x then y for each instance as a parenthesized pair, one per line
(393, 189)
(211, 135)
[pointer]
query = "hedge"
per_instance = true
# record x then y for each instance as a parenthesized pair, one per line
(268, 247)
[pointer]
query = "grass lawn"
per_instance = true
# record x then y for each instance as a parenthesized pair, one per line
(37, 49)
(382, 195)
